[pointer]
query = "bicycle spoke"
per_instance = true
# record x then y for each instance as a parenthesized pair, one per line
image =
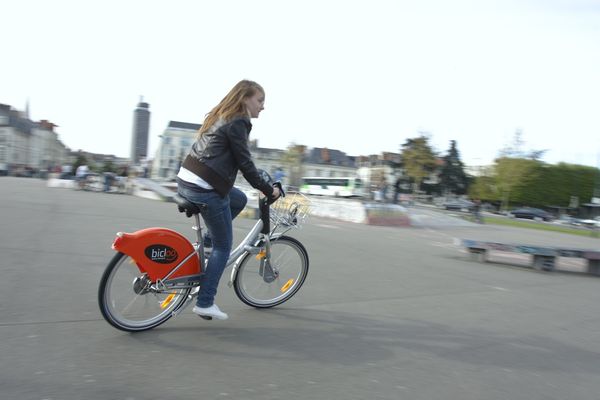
(129, 302)
(277, 283)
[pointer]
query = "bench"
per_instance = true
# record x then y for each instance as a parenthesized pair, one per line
(543, 258)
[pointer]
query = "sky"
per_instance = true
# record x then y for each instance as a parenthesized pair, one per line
(360, 76)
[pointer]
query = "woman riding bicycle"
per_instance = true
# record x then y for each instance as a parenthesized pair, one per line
(208, 173)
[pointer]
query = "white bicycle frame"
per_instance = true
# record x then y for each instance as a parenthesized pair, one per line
(247, 246)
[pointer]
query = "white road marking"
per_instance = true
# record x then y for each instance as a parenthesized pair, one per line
(440, 244)
(327, 226)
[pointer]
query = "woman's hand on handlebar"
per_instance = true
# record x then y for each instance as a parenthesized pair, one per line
(276, 193)
(273, 197)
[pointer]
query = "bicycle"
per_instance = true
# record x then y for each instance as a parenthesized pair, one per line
(89, 182)
(156, 271)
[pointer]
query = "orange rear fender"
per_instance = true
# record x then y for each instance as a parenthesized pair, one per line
(157, 251)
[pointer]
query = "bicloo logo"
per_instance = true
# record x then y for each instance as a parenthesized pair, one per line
(161, 253)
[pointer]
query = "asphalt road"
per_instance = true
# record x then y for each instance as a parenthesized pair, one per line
(386, 313)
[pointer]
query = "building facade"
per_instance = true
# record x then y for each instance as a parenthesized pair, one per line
(28, 147)
(292, 164)
(175, 143)
(328, 163)
(267, 159)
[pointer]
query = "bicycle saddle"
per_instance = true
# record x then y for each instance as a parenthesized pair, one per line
(186, 206)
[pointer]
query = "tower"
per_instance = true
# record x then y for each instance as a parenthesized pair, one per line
(141, 129)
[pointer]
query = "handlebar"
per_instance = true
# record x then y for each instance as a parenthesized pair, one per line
(264, 204)
(279, 186)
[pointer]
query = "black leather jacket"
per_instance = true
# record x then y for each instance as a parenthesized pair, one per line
(220, 152)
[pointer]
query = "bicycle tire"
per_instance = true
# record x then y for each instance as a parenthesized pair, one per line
(156, 309)
(290, 259)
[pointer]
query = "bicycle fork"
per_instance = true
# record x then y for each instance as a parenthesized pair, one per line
(265, 268)
(261, 250)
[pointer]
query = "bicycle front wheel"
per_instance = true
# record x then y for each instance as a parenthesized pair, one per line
(264, 285)
(130, 302)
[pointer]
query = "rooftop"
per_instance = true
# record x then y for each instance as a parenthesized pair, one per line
(184, 125)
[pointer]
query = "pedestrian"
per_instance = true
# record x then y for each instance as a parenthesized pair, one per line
(278, 176)
(477, 211)
(124, 171)
(81, 175)
(109, 179)
(207, 176)
(397, 190)
(66, 172)
(383, 188)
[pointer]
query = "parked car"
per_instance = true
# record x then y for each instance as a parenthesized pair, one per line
(531, 213)
(458, 205)
(591, 223)
(568, 220)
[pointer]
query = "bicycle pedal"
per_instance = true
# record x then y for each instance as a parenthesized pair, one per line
(206, 317)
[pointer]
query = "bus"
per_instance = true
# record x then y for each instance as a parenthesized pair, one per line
(332, 186)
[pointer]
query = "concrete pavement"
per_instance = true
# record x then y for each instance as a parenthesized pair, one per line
(386, 313)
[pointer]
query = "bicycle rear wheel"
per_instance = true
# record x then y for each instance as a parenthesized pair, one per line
(260, 286)
(130, 302)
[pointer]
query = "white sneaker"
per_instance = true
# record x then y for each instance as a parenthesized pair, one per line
(212, 311)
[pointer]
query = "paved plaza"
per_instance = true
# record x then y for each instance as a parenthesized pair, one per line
(386, 313)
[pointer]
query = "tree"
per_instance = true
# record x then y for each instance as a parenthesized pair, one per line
(292, 159)
(515, 149)
(521, 181)
(80, 160)
(452, 177)
(511, 174)
(484, 187)
(108, 166)
(558, 184)
(418, 159)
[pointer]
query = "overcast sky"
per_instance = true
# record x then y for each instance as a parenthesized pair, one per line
(358, 76)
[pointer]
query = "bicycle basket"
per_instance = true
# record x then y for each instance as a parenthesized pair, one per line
(291, 210)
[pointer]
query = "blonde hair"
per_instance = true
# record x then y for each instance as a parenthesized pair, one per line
(232, 105)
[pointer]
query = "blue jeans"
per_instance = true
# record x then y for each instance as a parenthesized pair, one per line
(218, 219)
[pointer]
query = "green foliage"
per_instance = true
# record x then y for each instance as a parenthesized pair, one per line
(520, 181)
(418, 159)
(109, 167)
(80, 160)
(484, 188)
(292, 159)
(452, 176)
(519, 223)
(513, 178)
(557, 184)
